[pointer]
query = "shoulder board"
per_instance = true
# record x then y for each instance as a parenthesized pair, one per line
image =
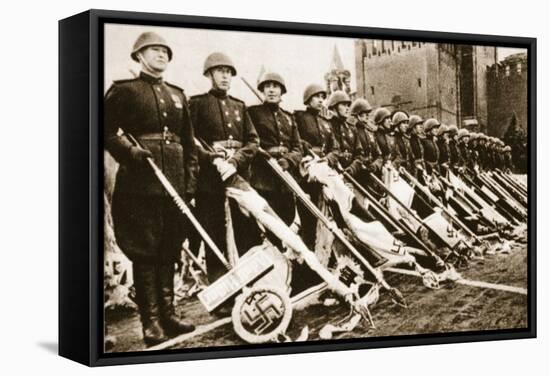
(118, 82)
(174, 86)
(253, 107)
(289, 116)
(198, 96)
(298, 116)
(286, 112)
(236, 99)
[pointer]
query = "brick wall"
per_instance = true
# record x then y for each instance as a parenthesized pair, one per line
(507, 92)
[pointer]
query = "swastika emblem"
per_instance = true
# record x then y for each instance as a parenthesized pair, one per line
(261, 314)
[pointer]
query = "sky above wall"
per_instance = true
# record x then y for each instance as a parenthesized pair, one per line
(301, 60)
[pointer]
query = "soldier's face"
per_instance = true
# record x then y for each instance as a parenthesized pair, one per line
(316, 101)
(272, 92)
(404, 126)
(387, 123)
(155, 58)
(465, 139)
(342, 109)
(419, 128)
(221, 78)
(363, 117)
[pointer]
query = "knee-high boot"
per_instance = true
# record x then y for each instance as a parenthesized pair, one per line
(172, 324)
(147, 298)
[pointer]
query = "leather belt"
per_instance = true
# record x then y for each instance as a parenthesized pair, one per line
(227, 144)
(431, 164)
(166, 137)
(277, 151)
(318, 150)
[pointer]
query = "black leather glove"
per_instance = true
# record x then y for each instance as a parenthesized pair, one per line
(139, 155)
(350, 170)
(264, 153)
(305, 145)
(332, 160)
(372, 168)
(215, 154)
(188, 198)
(283, 163)
(347, 156)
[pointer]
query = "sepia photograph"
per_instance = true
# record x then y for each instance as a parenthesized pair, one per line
(271, 188)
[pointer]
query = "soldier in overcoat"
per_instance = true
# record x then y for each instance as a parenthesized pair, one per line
(316, 136)
(147, 224)
(444, 149)
(366, 132)
(431, 149)
(455, 160)
(385, 137)
(279, 137)
(351, 154)
(416, 130)
(463, 139)
(223, 124)
(400, 121)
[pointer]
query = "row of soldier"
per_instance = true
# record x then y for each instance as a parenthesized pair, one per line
(147, 224)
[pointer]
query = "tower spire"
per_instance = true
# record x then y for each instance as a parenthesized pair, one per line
(337, 77)
(336, 62)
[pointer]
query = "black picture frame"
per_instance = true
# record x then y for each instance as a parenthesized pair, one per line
(81, 177)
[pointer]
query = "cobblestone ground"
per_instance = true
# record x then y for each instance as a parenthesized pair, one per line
(450, 309)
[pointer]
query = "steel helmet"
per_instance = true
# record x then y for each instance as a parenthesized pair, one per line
(149, 39)
(507, 148)
(359, 106)
(399, 117)
(338, 97)
(272, 77)
(311, 90)
(218, 59)
(380, 114)
(431, 123)
(443, 128)
(415, 120)
(453, 130)
(463, 133)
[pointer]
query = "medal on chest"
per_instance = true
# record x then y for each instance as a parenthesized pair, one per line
(391, 142)
(177, 101)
